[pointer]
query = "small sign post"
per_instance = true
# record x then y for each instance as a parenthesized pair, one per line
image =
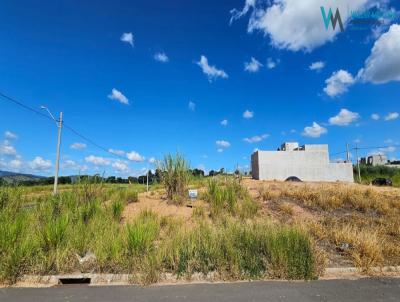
(193, 194)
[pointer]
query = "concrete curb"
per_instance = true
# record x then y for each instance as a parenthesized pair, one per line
(171, 279)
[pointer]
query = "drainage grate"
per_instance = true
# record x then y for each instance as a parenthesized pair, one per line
(74, 281)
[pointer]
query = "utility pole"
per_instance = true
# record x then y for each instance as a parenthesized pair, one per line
(358, 164)
(58, 154)
(59, 126)
(147, 180)
(347, 153)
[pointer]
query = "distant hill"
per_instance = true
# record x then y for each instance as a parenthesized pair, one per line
(13, 177)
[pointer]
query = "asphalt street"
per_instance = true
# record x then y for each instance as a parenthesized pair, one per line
(378, 289)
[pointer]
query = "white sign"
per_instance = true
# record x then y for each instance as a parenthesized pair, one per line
(193, 194)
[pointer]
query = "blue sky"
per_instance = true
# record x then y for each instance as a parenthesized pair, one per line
(150, 78)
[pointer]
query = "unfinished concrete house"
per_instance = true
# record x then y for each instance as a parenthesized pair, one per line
(308, 163)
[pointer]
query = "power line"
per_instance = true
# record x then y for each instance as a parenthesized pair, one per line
(15, 101)
(90, 141)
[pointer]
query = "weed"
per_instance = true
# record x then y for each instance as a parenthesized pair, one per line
(175, 176)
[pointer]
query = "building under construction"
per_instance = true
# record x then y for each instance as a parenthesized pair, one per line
(308, 163)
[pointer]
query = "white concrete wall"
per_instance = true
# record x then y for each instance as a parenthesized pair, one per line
(311, 164)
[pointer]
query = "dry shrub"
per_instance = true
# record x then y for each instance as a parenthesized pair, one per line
(265, 194)
(365, 246)
(286, 208)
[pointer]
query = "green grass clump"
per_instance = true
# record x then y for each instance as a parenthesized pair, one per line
(175, 177)
(229, 197)
(117, 208)
(241, 251)
(142, 233)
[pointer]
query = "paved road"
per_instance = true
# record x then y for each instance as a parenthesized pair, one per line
(328, 290)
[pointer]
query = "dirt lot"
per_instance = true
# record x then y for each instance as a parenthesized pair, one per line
(352, 225)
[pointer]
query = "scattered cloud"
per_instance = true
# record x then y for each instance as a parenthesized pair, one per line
(223, 144)
(120, 166)
(69, 164)
(15, 164)
(344, 118)
(256, 138)
(117, 152)
(134, 156)
(271, 64)
(10, 135)
(292, 24)
(248, 114)
(220, 150)
(383, 64)
(252, 66)
(317, 66)
(127, 38)
(118, 96)
(375, 116)
(7, 149)
(78, 146)
(97, 160)
(391, 116)
(40, 164)
(152, 160)
(314, 131)
(161, 57)
(212, 72)
(224, 122)
(192, 106)
(338, 83)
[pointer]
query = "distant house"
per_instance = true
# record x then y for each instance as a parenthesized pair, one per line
(379, 160)
(375, 160)
(308, 163)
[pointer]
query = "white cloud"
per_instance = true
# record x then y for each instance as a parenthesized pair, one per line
(256, 138)
(15, 164)
(211, 71)
(161, 57)
(223, 144)
(127, 38)
(338, 83)
(118, 96)
(293, 24)
(383, 64)
(40, 164)
(375, 116)
(117, 152)
(152, 160)
(271, 63)
(192, 106)
(248, 114)
(314, 131)
(220, 150)
(252, 66)
(78, 146)
(69, 164)
(317, 65)
(134, 156)
(120, 166)
(7, 149)
(10, 135)
(224, 122)
(344, 118)
(389, 149)
(391, 116)
(97, 160)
